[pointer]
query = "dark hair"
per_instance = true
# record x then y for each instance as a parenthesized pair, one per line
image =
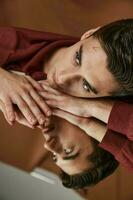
(116, 39)
(104, 164)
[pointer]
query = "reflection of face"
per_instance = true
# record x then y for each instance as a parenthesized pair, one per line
(67, 136)
(81, 70)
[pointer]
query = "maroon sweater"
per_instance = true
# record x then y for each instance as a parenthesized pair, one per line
(25, 50)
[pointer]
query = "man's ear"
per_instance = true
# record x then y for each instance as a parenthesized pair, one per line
(89, 33)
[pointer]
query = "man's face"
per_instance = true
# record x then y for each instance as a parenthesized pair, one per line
(70, 147)
(81, 70)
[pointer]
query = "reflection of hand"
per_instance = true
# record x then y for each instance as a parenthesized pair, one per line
(77, 106)
(22, 120)
(91, 126)
(21, 91)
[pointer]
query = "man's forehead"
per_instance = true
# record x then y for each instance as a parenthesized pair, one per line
(91, 42)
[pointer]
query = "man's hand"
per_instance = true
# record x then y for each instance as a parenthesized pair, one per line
(22, 91)
(98, 108)
(77, 106)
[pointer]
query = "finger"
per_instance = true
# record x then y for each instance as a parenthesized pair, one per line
(53, 103)
(45, 130)
(40, 127)
(47, 95)
(24, 108)
(34, 108)
(35, 84)
(46, 125)
(43, 82)
(47, 122)
(41, 103)
(21, 120)
(47, 87)
(9, 109)
(2, 108)
(58, 104)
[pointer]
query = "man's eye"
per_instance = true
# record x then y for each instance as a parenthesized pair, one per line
(86, 85)
(77, 58)
(54, 158)
(68, 150)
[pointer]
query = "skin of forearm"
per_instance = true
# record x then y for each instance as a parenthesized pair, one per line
(95, 128)
(101, 109)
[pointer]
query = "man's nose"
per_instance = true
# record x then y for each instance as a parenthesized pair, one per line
(53, 145)
(67, 77)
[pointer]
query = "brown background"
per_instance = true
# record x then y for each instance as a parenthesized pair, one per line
(23, 147)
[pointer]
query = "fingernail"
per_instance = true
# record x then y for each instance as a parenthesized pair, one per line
(41, 88)
(11, 118)
(41, 121)
(33, 121)
(49, 113)
(12, 123)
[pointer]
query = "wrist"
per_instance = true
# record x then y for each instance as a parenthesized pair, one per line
(96, 129)
(102, 109)
(90, 108)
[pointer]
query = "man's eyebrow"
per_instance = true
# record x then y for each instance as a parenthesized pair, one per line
(72, 157)
(92, 88)
(80, 53)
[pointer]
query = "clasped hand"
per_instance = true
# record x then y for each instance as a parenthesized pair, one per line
(77, 111)
(78, 106)
(18, 90)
